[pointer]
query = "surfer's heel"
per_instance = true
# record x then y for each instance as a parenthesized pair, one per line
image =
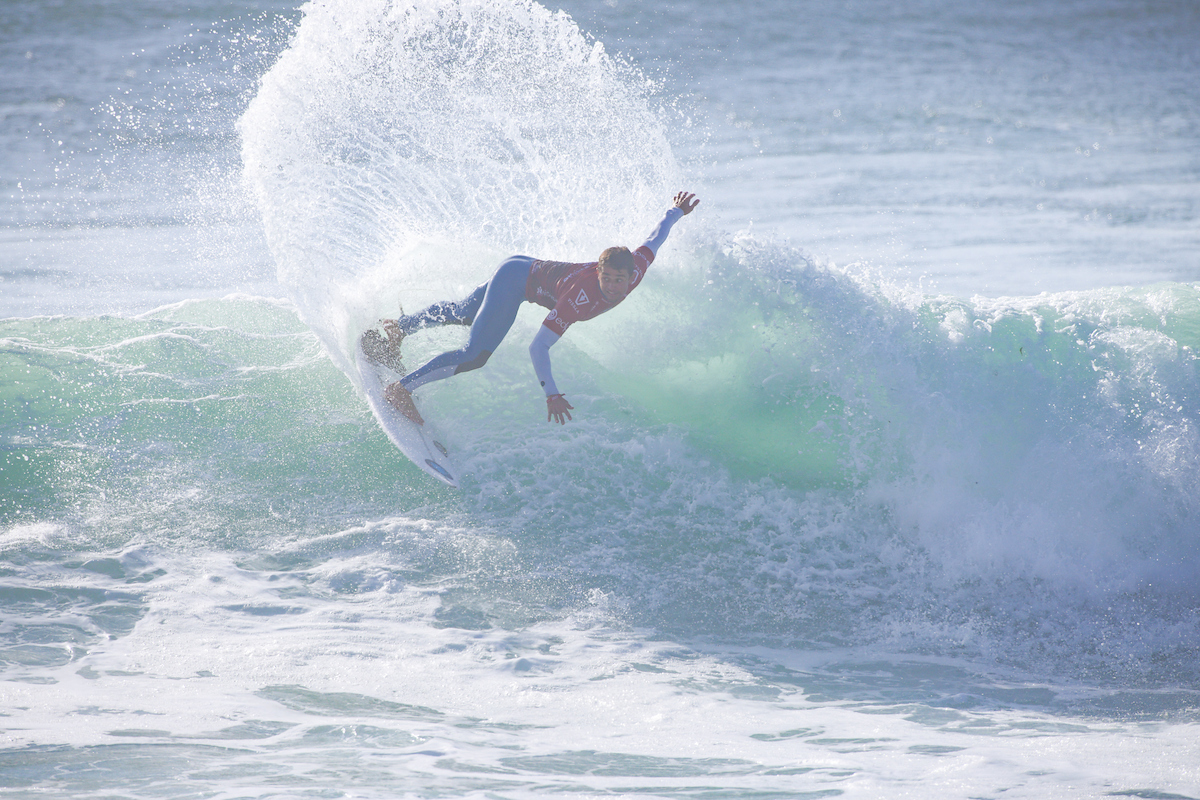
(401, 399)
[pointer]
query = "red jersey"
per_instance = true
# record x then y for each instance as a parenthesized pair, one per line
(572, 291)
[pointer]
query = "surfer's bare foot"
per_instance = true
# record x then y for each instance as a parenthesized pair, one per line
(401, 400)
(384, 351)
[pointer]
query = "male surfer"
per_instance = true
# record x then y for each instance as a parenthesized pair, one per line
(572, 292)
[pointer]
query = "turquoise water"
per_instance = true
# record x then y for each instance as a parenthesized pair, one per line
(205, 597)
(818, 529)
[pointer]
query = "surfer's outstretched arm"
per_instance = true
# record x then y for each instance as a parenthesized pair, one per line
(685, 202)
(557, 407)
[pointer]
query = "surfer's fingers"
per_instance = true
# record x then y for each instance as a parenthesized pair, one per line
(686, 201)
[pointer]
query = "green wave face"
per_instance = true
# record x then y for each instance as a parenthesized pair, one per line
(806, 457)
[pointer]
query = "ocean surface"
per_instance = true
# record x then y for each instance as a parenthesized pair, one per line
(884, 484)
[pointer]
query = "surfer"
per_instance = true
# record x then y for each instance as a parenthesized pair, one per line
(572, 291)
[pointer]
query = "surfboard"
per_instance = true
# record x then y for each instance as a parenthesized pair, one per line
(415, 441)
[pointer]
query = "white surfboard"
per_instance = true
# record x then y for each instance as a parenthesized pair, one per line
(415, 441)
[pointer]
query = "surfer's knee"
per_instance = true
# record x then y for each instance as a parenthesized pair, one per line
(474, 363)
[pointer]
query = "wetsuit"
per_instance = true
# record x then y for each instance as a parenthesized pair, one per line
(571, 291)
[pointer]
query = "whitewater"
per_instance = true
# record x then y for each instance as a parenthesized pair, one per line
(884, 483)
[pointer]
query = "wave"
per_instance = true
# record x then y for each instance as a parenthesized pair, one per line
(399, 152)
(1007, 480)
(814, 433)
(767, 449)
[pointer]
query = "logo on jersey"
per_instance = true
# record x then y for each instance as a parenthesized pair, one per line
(582, 299)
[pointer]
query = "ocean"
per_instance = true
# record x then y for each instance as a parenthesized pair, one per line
(885, 483)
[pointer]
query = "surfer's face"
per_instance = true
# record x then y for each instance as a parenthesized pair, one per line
(614, 283)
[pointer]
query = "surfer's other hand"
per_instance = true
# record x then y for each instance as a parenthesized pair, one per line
(557, 407)
(686, 202)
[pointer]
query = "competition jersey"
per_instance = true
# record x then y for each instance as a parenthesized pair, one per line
(572, 291)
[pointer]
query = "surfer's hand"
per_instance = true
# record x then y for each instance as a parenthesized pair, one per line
(557, 407)
(686, 202)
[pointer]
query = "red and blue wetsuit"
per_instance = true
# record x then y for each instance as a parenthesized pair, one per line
(570, 290)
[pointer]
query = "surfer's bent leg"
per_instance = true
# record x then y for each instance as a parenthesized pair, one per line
(500, 301)
(444, 313)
